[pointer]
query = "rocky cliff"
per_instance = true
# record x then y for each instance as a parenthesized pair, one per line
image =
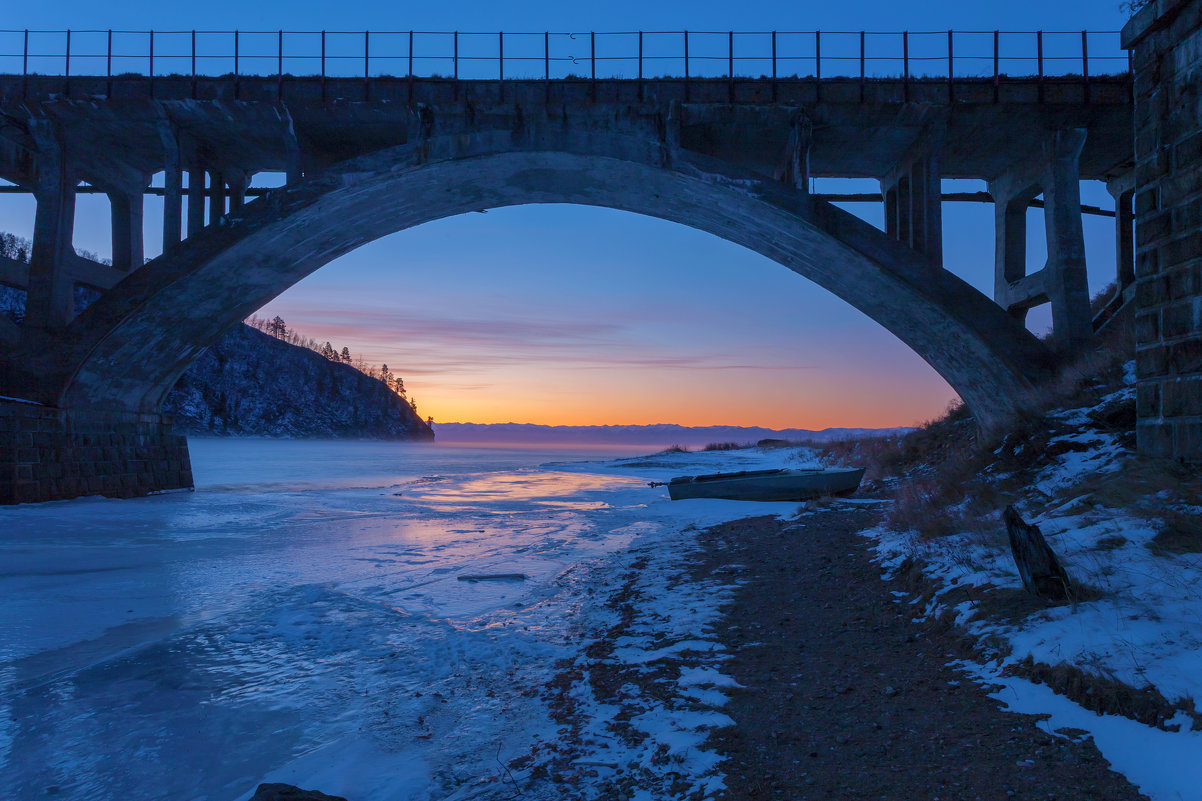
(251, 384)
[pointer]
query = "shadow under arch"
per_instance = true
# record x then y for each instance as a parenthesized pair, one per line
(127, 350)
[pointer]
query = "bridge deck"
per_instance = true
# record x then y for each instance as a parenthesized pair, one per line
(861, 128)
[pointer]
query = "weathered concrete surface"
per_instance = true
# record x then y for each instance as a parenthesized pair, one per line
(129, 347)
(1166, 37)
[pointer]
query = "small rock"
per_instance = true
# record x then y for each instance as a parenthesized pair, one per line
(286, 792)
(890, 692)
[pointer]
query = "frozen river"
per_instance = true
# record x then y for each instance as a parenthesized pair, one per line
(300, 617)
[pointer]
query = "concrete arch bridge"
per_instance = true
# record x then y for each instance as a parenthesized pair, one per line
(83, 388)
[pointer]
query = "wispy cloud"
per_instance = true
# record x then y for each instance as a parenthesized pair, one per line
(449, 344)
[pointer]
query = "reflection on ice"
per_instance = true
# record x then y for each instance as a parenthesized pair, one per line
(299, 618)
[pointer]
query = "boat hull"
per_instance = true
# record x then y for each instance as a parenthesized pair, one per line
(772, 485)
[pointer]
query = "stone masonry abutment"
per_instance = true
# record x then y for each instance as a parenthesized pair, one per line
(357, 169)
(1166, 40)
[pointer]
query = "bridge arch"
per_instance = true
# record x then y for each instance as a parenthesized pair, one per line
(129, 348)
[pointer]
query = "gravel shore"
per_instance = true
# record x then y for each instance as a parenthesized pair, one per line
(846, 697)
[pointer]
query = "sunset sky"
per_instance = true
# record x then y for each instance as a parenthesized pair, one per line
(578, 315)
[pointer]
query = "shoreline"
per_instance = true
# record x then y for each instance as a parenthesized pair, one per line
(847, 696)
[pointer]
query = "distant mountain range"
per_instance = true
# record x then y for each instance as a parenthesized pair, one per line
(662, 435)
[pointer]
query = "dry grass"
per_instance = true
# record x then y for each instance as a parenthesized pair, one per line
(1104, 695)
(1179, 534)
(676, 449)
(726, 446)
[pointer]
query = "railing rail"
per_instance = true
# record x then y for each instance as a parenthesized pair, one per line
(548, 55)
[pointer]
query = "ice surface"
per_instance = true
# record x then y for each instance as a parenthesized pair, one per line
(298, 619)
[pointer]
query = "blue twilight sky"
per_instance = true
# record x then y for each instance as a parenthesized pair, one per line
(578, 315)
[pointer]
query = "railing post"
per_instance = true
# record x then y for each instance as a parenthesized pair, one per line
(366, 65)
(25, 68)
(1039, 61)
(862, 70)
(501, 58)
(323, 66)
(108, 67)
(1085, 62)
(641, 92)
(279, 65)
(150, 71)
(592, 56)
(686, 66)
(455, 61)
(237, 82)
(996, 73)
(67, 64)
(951, 71)
(817, 65)
(546, 66)
(774, 67)
(906, 66)
(409, 54)
(730, 67)
(193, 68)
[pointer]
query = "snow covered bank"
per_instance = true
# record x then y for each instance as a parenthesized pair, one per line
(1138, 622)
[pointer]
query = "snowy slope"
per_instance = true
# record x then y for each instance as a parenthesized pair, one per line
(251, 384)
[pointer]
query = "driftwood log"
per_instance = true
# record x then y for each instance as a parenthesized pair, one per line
(1037, 564)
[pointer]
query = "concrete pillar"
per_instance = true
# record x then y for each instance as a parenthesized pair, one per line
(1124, 238)
(1068, 285)
(890, 193)
(216, 196)
(173, 206)
(196, 200)
(926, 189)
(126, 219)
(904, 210)
(237, 186)
(1010, 245)
(173, 185)
(50, 300)
(800, 138)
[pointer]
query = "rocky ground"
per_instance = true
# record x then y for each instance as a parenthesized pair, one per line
(846, 696)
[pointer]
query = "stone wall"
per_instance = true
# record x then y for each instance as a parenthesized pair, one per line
(1166, 39)
(52, 454)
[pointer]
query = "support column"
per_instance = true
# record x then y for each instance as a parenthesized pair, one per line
(127, 228)
(1124, 238)
(196, 200)
(1072, 323)
(797, 171)
(50, 300)
(1062, 281)
(926, 185)
(237, 186)
(1010, 202)
(216, 196)
(173, 185)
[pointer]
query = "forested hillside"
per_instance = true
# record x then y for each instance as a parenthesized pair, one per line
(253, 384)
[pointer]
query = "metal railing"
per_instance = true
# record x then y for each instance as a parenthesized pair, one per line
(641, 55)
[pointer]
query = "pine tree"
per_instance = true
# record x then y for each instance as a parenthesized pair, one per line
(346, 355)
(398, 386)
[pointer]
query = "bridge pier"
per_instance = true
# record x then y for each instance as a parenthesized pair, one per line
(48, 454)
(1166, 39)
(1062, 281)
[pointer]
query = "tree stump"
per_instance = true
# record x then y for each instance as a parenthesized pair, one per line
(1037, 564)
